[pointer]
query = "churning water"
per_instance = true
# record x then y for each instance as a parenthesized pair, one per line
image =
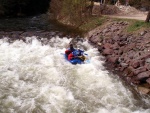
(35, 78)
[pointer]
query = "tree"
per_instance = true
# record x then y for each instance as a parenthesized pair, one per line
(73, 12)
(148, 17)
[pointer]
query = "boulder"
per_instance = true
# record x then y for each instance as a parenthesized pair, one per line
(148, 80)
(113, 59)
(135, 63)
(144, 75)
(129, 71)
(107, 51)
(139, 70)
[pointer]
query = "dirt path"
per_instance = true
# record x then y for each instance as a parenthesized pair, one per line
(121, 11)
(129, 12)
(136, 17)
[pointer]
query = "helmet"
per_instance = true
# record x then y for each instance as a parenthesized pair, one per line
(71, 45)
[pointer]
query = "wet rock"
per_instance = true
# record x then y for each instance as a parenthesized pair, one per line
(52, 33)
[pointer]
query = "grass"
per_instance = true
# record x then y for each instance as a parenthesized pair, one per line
(134, 25)
(92, 23)
(137, 25)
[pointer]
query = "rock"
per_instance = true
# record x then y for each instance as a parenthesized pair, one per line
(143, 90)
(100, 48)
(147, 60)
(135, 64)
(143, 75)
(148, 80)
(123, 64)
(107, 51)
(113, 59)
(143, 33)
(128, 71)
(95, 39)
(129, 47)
(99, 44)
(145, 56)
(105, 30)
(107, 46)
(115, 46)
(147, 66)
(139, 70)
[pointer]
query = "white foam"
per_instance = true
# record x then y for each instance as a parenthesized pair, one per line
(37, 78)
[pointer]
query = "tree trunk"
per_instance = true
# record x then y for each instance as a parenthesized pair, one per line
(148, 17)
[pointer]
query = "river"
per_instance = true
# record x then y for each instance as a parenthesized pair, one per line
(35, 78)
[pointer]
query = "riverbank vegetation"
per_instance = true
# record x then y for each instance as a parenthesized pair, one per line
(72, 12)
(134, 25)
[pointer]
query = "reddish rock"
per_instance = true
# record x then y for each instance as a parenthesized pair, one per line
(143, 75)
(147, 66)
(128, 70)
(95, 39)
(145, 55)
(135, 64)
(107, 51)
(116, 38)
(115, 46)
(139, 70)
(113, 59)
(123, 64)
(105, 30)
(148, 80)
(107, 46)
(129, 47)
(135, 80)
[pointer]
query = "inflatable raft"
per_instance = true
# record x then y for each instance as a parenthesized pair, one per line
(79, 60)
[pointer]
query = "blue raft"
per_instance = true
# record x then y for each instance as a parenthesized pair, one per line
(78, 60)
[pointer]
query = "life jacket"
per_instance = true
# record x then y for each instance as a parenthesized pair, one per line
(70, 56)
(68, 51)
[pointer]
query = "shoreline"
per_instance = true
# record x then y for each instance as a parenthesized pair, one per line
(127, 54)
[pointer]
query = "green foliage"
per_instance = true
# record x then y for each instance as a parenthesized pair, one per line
(136, 25)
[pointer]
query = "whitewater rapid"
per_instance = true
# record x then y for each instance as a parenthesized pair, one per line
(35, 78)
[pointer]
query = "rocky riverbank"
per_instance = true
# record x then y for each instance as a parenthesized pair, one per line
(125, 53)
